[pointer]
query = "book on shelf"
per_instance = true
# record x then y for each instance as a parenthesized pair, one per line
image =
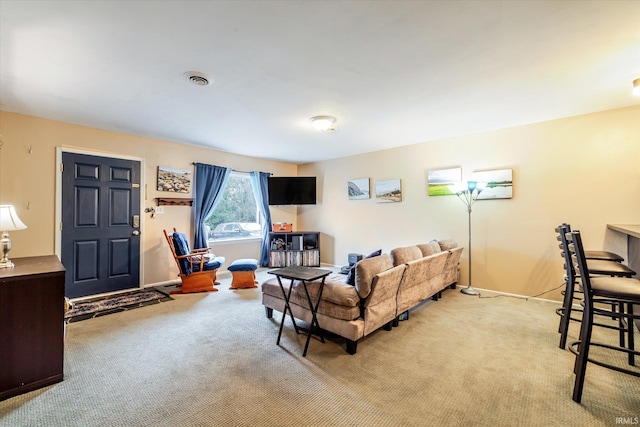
(296, 243)
(278, 259)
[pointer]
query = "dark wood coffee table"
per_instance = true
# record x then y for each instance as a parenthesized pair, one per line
(304, 275)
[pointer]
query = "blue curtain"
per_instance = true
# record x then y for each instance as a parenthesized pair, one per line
(210, 182)
(260, 184)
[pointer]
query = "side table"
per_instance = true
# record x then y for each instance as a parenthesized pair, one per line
(304, 275)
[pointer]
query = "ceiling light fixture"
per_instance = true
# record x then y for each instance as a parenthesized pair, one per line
(197, 78)
(323, 123)
(636, 87)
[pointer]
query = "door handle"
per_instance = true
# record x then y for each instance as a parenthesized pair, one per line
(136, 233)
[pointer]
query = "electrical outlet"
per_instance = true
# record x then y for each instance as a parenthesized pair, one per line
(159, 210)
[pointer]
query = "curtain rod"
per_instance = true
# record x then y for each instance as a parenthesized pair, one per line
(236, 170)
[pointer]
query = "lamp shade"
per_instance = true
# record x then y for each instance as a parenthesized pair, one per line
(9, 220)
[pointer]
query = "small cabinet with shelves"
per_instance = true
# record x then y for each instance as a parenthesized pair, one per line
(294, 249)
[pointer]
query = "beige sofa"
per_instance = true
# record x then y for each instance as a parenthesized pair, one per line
(385, 287)
(430, 268)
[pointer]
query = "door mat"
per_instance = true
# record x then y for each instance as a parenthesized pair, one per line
(102, 306)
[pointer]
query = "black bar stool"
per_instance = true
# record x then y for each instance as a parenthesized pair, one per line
(617, 291)
(596, 267)
(594, 254)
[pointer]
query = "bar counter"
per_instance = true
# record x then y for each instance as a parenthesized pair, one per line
(628, 229)
(632, 256)
(633, 243)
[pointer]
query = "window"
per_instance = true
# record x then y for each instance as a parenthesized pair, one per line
(237, 216)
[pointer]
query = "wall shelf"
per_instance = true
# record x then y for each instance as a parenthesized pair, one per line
(174, 201)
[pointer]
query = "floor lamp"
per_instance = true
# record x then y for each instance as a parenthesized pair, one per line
(469, 193)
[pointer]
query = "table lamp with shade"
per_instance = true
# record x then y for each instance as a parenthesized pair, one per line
(9, 221)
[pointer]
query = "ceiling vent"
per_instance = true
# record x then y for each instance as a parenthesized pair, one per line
(197, 78)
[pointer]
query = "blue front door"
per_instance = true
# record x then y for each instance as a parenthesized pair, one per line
(100, 224)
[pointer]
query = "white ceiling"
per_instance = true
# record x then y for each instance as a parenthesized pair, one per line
(392, 72)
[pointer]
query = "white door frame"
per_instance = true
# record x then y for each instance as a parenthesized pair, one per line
(58, 214)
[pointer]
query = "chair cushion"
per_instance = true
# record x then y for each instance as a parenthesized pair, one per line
(243, 264)
(181, 246)
(616, 287)
(609, 268)
(213, 263)
(604, 255)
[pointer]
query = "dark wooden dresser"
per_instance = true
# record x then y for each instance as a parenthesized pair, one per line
(31, 324)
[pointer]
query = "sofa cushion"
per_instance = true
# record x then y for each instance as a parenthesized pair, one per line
(341, 324)
(351, 276)
(367, 269)
(433, 247)
(447, 244)
(334, 290)
(405, 254)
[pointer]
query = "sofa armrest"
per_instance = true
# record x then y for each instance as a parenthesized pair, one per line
(367, 269)
(384, 285)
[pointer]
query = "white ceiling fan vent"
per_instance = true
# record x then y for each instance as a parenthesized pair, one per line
(197, 78)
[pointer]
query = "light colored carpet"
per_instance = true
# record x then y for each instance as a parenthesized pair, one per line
(210, 359)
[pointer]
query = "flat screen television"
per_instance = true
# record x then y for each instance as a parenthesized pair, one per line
(292, 190)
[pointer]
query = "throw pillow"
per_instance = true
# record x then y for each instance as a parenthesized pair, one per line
(351, 276)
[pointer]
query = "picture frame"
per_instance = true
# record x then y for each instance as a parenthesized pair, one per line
(389, 191)
(439, 181)
(358, 189)
(499, 183)
(174, 180)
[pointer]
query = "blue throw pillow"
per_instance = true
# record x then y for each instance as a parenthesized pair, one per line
(351, 276)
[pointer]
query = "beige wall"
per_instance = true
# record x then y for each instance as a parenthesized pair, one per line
(584, 170)
(28, 176)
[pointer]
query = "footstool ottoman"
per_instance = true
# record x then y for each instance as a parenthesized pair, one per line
(244, 273)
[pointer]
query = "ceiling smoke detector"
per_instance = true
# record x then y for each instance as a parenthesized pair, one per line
(197, 78)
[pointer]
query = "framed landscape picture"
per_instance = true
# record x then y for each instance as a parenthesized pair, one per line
(439, 181)
(388, 191)
(499, 184)
(358, 189)
(174, 180)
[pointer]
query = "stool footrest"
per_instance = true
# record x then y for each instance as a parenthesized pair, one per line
(243, 280)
